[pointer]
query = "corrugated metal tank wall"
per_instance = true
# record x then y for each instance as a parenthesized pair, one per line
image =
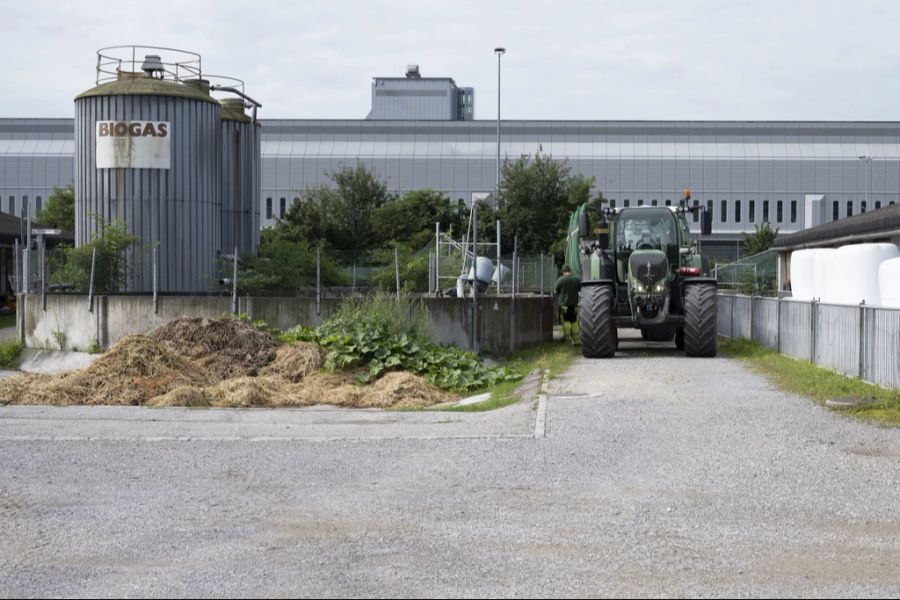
(240, 179)
(179, 207)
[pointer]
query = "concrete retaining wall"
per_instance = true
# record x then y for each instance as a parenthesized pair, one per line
(505, 324)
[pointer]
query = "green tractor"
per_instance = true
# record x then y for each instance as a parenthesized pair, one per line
(640, 269)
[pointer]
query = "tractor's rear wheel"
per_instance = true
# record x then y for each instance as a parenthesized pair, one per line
(598, 334)
(700, 320)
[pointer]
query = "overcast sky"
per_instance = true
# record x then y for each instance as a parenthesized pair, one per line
(780, 60)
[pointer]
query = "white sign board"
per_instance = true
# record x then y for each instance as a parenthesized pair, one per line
(134, 145)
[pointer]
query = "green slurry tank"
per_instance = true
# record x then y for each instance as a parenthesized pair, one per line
(641, 269)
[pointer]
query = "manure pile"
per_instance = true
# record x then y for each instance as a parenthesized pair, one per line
(215, 363)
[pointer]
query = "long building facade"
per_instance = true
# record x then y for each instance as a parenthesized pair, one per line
(791, 174)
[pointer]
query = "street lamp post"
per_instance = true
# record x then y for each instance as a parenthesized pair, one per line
(500, 51)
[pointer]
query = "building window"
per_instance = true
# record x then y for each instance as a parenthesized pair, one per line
(626, 203)
(779, 211)
(793, 211)
(752, 216)
(835, 210)
(862, 207)
(724, 211)
(640, 202)
(282, 205)
(268, 208)
(612, 203)
(696, 212)
(765, 211)
(37, 207)
(12, 205)
(849, 208)
(877, 204)
(737, 211)
(668, 203)
(654, 203)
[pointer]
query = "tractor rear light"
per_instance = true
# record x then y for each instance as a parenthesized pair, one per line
(694, 271)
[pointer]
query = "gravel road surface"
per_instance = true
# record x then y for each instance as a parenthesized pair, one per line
(658, 475)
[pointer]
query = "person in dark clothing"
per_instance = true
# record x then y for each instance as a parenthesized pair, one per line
(568, 287)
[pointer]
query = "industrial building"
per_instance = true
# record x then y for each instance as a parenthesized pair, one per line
(421, 133)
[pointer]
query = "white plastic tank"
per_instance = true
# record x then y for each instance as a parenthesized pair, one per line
(823, 267)
(854, 278)
(484, 268)
(501, 274)
(889, 283)
(803, 274)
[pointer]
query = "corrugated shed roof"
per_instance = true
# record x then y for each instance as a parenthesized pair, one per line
(884, 220)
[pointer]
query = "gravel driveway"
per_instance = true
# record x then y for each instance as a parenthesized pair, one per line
(658, 475)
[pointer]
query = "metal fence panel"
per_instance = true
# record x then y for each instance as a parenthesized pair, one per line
(765, 322)
(837, 338)
(882, 353)
(723, 320)
(742, 317)
(795, 328)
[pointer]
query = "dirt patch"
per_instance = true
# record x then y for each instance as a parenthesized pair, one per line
(225, 347)
(295, 361)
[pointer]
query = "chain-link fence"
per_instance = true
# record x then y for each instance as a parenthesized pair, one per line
(291, 270)
(755, 275)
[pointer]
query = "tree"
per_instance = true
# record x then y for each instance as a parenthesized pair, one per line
(410, 220)
(537, 195)
(117, 253)
(59, 212)
(762, 240)
(340, 215)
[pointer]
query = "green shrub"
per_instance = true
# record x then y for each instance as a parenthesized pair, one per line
(380, 334)
(10, 352)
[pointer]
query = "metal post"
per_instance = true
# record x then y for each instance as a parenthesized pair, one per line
(354, 278)
(397, 270)
(28, 242)
(437, 257)
(91, 282)
(515, 265)
(500, 52)
(16, 259)
(474, 333)
(813, 325)
(155, 279)
(318, 280)
(43, 267)
(234, 282)
(542, 273)
(862, 335)
(498, 257)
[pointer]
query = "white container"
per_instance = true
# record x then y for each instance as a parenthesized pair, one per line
(501, 274)
(889, 283)
(854, 278)
(803, 274)
(484, 268)
(823, 267)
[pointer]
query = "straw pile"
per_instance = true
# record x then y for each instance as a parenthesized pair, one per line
(215, 363)
(224, 347)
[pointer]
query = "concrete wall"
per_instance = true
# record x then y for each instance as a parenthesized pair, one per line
(505, 324)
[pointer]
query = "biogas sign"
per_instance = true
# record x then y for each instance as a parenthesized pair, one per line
(133, 145)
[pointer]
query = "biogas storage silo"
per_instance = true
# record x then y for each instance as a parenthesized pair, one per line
(241, 158)
(149, 153)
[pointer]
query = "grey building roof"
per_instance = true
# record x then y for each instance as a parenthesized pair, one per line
(877, 224)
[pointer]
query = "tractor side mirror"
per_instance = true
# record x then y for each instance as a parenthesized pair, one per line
(706, 222)
(603, 235)
(584, 229)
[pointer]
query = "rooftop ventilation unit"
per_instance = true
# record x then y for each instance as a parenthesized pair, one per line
(153, 66)
(412, 72)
